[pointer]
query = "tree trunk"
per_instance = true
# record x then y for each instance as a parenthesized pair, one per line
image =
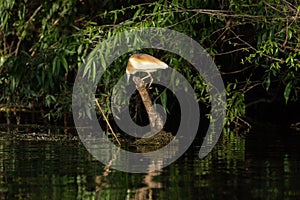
(155, 119)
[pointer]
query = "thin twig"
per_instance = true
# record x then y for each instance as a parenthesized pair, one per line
(26, 24)
(228, 52)
(236, 71)
(33, 15)
(286, 34)
(109, 126)
(251, 47)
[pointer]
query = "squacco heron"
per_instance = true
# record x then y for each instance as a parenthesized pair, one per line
(144, 63)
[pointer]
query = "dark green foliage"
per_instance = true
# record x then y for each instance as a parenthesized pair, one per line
(254, 43)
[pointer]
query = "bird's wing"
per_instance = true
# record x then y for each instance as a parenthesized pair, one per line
(140, 65)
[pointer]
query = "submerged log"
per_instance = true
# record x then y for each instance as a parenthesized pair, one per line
(153, 143)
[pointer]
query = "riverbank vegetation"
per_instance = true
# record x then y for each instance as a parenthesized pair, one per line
(255, 45)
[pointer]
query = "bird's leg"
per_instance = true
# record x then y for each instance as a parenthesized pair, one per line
(151, 81)
(148, 76)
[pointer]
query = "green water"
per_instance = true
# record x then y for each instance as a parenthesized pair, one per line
(258, 166)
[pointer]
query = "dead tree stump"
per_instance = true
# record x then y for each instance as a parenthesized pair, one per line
(155, 119)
